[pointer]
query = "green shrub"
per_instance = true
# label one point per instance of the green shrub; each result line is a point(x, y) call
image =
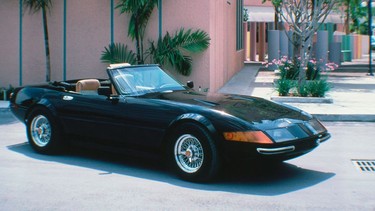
point(6, 91)
point(318, 88)
point(283, 86)
point(289, 69)
point(1, 93)
point(303, 90)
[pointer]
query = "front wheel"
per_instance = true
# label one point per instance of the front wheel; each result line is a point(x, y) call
point(43, 133)
point(193, 154)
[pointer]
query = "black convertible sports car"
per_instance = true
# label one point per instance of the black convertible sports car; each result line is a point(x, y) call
point(143, 109)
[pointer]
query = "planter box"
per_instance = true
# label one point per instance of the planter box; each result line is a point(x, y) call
point(288, 99)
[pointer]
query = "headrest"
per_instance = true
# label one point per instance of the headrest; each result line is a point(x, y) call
point(87, 84)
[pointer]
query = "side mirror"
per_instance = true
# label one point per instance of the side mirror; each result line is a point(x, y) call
point(190, 84)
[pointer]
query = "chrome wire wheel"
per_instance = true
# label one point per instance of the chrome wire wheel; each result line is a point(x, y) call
point(188, 153)
point(40, 131)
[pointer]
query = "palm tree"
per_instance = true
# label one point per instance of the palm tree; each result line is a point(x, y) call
point(140, 11)
point(172, 49)
point(168, 49)
point(35, 6)
point(118, 53)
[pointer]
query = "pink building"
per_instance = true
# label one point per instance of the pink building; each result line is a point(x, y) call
point(79, 31)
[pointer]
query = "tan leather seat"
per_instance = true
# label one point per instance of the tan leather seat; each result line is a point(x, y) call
point(88, 86)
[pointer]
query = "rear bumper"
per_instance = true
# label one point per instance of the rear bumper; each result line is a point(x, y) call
point(18, 111)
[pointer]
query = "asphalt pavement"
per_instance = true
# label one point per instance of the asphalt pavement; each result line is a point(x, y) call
point(328, 178)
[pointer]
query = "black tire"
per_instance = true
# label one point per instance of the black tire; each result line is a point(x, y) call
point(43, 132)
point(192, 153)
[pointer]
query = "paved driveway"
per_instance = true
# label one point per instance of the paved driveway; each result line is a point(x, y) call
point(325, 179)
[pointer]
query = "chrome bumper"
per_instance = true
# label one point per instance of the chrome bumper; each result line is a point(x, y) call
point(323, 139)
point(287, 149)
point(275, 151)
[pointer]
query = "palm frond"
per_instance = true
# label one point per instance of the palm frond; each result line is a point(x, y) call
point(35, 6)
point(194, 42)
point(171, 49)
point(129, 6)
point(140, 17)
point(118, 53)
point(140, 12)
point(197, 41)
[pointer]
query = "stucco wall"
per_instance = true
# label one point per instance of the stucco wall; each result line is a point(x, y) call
point(225, 60)
point(190, 14)
point(88, 32)
point(9, 30)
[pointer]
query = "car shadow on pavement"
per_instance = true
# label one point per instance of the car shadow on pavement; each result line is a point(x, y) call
point(7, 118)
point(258, 179)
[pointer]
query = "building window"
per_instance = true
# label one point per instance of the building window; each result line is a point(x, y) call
point(239, 25)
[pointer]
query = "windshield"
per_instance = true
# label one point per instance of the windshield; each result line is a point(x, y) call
point(140, 80)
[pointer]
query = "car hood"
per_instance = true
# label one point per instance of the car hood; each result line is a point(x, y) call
point(251, 109)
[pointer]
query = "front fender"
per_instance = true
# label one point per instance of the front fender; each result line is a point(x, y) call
point(193, 117)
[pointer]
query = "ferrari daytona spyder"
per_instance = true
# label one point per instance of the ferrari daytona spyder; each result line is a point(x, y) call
point(143, 109)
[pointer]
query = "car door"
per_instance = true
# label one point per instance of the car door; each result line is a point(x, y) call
point(122, 122)
point(146, 120)
point(91, 116)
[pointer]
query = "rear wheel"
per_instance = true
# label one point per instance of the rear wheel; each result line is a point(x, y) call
point(43, 133)
point(193, 154)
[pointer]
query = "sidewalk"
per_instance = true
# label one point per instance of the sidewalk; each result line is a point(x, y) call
point(4, 106)
point(353, 93)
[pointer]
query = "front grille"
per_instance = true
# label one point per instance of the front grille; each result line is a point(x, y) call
point(364, 165)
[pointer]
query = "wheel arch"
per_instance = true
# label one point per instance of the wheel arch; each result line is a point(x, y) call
point(55, 141)
point(199, 119)
point(42, 103)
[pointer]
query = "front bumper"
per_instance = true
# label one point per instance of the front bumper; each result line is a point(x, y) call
point(277, 151)
point(286, 149)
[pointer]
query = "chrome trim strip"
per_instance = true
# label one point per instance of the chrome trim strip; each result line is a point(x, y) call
point(274, 151)
point(67, 97)
point(325, 138)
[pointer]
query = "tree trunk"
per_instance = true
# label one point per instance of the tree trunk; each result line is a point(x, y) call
point(137, 40)
point(303, 65)
point(302, 69)
point(276, 20)
point(347, 20)
point(46, 45)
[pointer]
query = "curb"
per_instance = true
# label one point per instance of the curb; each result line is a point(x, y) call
point(283, 99)
point(345, 117)
point(5, 111)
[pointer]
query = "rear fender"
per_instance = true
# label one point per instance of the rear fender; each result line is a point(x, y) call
point(42, 103)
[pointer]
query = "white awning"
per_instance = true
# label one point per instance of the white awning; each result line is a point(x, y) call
point(267, 14)
point(260, 14)
point(335, 18)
